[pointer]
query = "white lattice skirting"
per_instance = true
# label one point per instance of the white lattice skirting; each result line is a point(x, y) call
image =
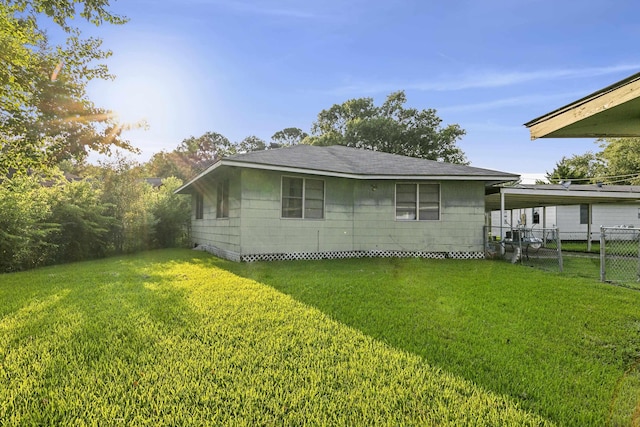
point(233, 256)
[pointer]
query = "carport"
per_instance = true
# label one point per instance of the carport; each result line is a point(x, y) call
point(532, 196)
point(611, 112)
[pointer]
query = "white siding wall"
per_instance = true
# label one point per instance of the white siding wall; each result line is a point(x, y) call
point(513, 218)
point(608, 215)
point(567, 219)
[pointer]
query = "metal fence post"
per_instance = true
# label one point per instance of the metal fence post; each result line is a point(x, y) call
point(602, 254)
point(638, 271)
point(560, 265)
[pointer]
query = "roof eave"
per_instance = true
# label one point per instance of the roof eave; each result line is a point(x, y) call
point(488, 178)
point(185, 188)
point(551, 125)
point(499, 178)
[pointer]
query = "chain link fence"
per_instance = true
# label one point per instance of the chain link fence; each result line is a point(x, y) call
point(620, 255)
point(534, 247)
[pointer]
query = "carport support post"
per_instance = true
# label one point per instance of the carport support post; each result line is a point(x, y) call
point(589, 228)
point(602, 255)
point(501, 221)
point(544, 225)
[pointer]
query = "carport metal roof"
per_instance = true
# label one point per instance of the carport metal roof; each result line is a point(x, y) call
point(531, 196)
point(610, 112)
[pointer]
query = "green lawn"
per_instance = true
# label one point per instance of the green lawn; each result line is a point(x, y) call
point(580, 246)
point(562, 346)
point(178, 337)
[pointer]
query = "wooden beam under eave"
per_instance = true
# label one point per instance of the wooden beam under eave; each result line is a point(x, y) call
point(552, 125)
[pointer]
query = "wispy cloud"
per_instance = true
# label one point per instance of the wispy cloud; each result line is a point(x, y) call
point(274, 8)
point(483, 79)
point(511, 102)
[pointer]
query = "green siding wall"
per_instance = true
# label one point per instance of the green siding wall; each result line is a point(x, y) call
point(359, 215)
point(223, 233)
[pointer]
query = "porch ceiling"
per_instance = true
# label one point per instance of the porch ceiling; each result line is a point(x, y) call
point(531, 196)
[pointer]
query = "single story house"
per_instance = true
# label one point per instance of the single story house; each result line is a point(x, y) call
point(310, 202)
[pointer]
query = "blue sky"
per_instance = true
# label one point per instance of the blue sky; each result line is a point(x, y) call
point(254, 67)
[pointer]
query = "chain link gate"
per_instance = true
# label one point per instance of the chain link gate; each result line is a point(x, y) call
point(533, 247)
point(620, 255)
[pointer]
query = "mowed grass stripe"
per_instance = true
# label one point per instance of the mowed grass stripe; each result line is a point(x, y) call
point(170, 338)
point(564, 347)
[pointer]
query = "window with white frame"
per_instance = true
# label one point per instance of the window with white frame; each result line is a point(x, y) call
point(417, 202)
point(222, 199)
point(302, 198)
point(199, 206)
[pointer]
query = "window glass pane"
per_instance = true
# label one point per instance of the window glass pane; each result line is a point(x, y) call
point(429, 193)
point(292, 208)
point(429, 201)
point(292, 197)
point(313, 209)
point(584, 214)
point(406, 201)
point(314, 189)
point(429, 212)
point(222, 202)
point(199, 206)
point(314, 199)
point(292, 187)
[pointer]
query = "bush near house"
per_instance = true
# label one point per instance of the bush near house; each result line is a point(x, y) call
point(54, 220)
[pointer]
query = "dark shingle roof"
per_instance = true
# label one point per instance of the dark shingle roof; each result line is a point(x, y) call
point(350, 162)
point(355, 161)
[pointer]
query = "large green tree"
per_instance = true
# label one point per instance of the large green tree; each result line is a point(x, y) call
point(622, 159)
point(287, 137)
point(390, 127)
point(251, 143)
point(45, 113)
point(194, 154)
point(580, 168)
point(617, 163)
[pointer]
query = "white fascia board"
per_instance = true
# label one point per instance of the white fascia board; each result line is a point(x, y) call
point(587, 194)
point(289, 169)
point(200, 175)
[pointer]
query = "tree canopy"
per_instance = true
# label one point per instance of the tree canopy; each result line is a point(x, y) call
point(581, 168)
point(617, 163)
point(45, 113)
point(287, 137)
point(391, 128)
point(194, 154)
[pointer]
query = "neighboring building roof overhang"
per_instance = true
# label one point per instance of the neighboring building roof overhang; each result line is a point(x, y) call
point(351, 163)
point(531, 196)
point(608, 113)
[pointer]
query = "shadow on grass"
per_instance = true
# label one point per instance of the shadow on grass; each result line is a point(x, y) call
point(559, 345)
